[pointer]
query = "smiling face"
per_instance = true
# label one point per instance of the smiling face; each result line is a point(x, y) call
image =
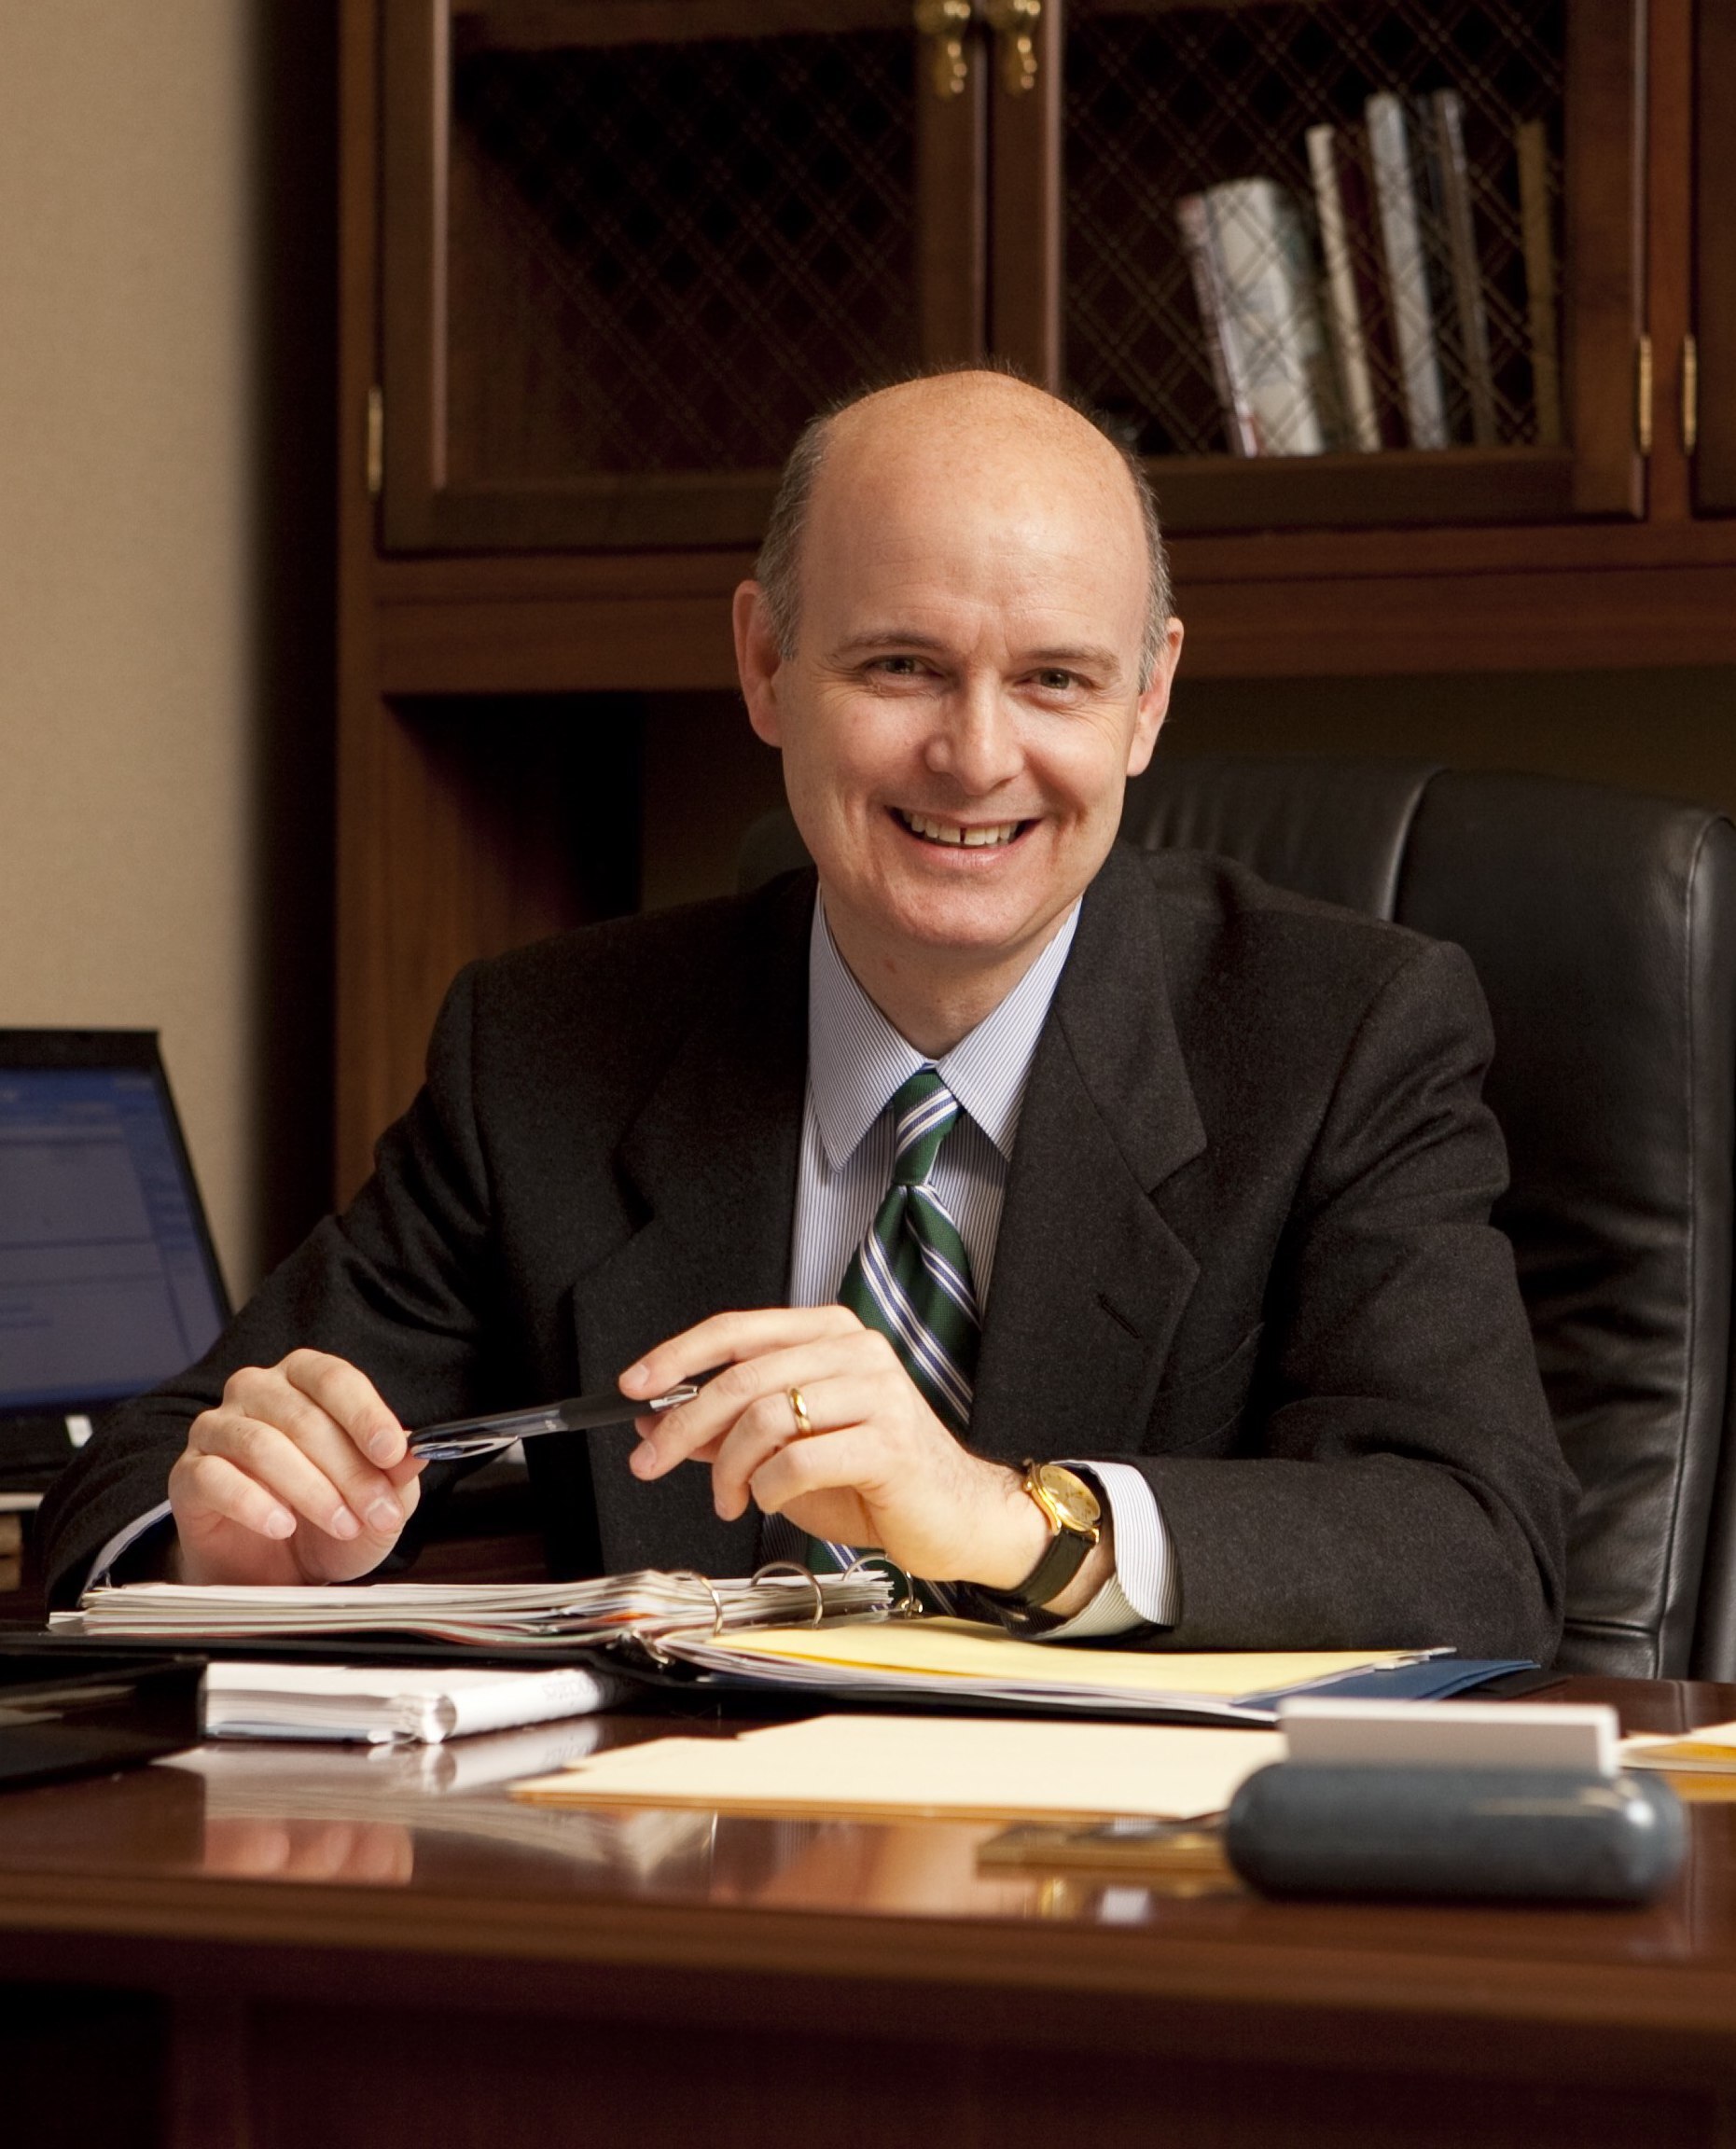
point(962, 705)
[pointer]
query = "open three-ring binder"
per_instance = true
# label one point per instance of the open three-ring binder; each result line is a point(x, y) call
point(648, 1609)
point(782, 1634)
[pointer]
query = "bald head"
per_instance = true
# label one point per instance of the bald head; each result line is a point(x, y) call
point(981, 430)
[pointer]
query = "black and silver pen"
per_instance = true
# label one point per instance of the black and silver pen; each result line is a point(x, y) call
point(462, 1439)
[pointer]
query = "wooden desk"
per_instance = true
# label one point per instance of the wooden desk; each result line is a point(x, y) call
point(306, 1959)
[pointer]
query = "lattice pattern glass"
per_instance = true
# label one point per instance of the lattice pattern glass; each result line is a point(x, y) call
point(664, 256)
point(1231, 286)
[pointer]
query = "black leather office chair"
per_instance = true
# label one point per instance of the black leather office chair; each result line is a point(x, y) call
point(1602, 926)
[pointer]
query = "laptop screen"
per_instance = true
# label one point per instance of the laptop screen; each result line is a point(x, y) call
point(107, 1280)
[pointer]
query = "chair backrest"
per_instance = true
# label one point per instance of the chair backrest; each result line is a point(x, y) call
point(1602, 927)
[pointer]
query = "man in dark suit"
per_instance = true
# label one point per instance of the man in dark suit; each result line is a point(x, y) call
point(1157, 1201)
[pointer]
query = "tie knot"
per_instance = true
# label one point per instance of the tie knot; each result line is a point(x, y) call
point(923, 1110)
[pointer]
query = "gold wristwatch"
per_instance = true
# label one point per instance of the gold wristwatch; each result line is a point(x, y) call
point(1075, 1517)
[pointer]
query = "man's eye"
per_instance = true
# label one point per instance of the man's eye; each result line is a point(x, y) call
point(1054, 682)
point(900, 667)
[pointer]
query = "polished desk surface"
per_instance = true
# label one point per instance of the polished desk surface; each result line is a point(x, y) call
point(299, 1874)
point(350, 1851)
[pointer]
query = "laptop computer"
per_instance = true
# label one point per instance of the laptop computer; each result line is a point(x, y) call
point(108, 1279)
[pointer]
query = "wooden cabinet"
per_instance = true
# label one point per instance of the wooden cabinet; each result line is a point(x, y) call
point(601, 258)
point(630, 245)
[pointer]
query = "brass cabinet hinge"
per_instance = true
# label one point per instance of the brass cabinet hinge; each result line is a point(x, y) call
point(1690, 393)
point(1014, 23)
point(947, 24)
point(374, 451)
point(1642, 395)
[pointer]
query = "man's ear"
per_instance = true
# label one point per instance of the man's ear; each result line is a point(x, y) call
point(758, 662)
point(1153, 703)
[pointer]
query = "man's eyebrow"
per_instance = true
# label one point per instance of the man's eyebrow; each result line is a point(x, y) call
point(1084, 657)
point(889, 638)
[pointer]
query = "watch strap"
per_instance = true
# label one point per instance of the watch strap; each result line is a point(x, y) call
point(1061, 1559)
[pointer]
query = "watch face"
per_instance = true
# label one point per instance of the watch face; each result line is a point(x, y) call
point(1074, 1502)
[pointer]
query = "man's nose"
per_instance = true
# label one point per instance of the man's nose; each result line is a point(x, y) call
point(977, 744)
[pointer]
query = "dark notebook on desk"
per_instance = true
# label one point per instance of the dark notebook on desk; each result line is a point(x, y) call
point(108, 1281)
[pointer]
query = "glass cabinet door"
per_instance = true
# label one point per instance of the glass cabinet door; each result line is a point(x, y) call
point(635, 243)
point(1344, 261)
point(1712, 414)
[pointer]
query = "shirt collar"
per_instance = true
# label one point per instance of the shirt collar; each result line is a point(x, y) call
point(856, 1060)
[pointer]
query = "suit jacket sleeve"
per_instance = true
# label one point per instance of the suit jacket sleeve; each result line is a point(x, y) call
point(400, 1284)
point(1392, 1476)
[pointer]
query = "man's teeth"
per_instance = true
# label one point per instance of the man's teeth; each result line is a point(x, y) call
point(972, 839)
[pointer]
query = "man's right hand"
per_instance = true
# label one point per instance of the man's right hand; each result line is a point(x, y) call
point(299, 1475)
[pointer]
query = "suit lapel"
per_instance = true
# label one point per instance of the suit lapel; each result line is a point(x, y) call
point(1089, 1281)
point(711, 1164)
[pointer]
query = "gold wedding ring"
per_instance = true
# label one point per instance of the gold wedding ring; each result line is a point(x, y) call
point(804, 1424)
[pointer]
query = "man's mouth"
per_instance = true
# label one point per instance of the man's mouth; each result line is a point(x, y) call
point(988, 835)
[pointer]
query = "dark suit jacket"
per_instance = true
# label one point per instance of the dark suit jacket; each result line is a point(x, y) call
point(1245, 1246)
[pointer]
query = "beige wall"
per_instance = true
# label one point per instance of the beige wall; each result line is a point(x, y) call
point(127, 639)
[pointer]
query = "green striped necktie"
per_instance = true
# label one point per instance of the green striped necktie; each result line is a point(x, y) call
point(910, 1276)
point(910, 1279)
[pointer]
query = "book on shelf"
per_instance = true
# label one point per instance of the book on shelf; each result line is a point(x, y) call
point(1355, 298)
point(1410, 298)
point(1538, 245)
point(1344, 313)
point(1232, 403)
point(1460, 280)
point(1403, 334)
point(1254, 274)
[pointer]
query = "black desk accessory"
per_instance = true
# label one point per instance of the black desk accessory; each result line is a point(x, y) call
point(93, 1714)
point(1297, 1829)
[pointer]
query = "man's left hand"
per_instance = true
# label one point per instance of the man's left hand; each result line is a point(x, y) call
point(878, 1470)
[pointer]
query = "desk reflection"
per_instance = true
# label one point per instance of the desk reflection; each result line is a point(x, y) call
point(439, 1816)
point(384, 1816)
point(369, 1853)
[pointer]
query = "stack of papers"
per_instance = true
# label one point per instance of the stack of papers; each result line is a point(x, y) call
point(1711, 1751)
point(385, 1705)
point(951, 1659)
point(495, 1615)
point(894, 1767)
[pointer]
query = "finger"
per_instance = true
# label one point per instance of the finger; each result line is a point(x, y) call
point(688, 1432)
point(369, 1494)
point(646, 1426)
point(206, 1489)
point(770, 1425)
point(350, 1399)
point(267, 1455)
point(848, 1459)
point(725, 1338)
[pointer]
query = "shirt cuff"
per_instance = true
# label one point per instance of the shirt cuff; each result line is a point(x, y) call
point(122, 1542)
point(1145, 1589)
